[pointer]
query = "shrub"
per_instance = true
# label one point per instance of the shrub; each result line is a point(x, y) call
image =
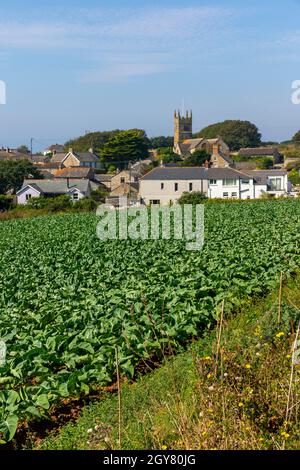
point(99, 195)
point(86, 204)
point(192, 198)
point(6, 203)
point(59, 203)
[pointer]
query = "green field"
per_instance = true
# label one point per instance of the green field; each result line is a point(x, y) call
point(67, 299)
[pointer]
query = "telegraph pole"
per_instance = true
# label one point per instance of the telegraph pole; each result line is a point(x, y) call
point(31, 145)
point(129, 180)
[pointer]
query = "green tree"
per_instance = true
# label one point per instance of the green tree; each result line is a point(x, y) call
point(95, 140)
point(161, 141)
point(198, 158)
point(294, 176)
point(264, 163)
point(194, 197)
point(23, 149)
point(296, 137)
point(12, 174)
point(166, 155)
point(235, 133)
point(126, 146)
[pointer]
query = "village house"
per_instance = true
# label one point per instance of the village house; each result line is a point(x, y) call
point(104, 179)
point(7, 154)
point(165, 185)
point(255, 152)
point(56, 148)
point(79, 172)
point(125, 177)
point(76, 189)
point(73, 159)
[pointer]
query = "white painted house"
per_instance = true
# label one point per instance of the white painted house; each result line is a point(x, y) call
point(167, 184)
point(164, 184)
point(76, 189)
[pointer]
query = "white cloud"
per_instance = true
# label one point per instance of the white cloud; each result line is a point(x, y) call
point(102, 35)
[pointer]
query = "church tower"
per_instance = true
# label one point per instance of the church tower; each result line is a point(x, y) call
point(183, 127)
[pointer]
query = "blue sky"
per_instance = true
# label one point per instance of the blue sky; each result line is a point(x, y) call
point(73, 66)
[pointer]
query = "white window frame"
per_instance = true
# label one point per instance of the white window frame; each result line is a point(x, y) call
point(274, 186)
point(226, 184)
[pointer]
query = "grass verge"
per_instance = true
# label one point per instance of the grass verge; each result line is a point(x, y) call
point(236, 388)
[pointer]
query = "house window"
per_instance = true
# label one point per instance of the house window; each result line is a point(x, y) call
point(176, 187)
point(154, 202)
point(234, 195)
point(162, 185)
point(75, 197)
point(212, 181)
point(191, 186)
point(28, 196)
point(225, 194)
point(275, 184)
point(122, 179)
point(245, 181)
point(229, 182)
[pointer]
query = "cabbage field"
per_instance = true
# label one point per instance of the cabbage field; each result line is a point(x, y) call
point(67, 299)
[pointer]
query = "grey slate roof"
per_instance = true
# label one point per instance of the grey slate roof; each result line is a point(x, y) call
point(193, 173)
point(40, 158)
point(86, 156)
point(259, 151)
point(261, 176)
point(225, 173)
point(245, 166)
point(174, 173)
point(58, 157)
point(57, 185)
point(103, 177)
point(184, 148)
point(226, 158)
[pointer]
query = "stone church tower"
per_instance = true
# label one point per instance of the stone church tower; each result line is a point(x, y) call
point(183, 127)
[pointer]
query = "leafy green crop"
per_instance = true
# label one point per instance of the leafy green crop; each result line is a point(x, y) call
point(68, 299)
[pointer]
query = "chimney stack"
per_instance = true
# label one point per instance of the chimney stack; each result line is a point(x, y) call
point(215, 149)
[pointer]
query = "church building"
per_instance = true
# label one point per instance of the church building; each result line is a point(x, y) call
point(184, 144)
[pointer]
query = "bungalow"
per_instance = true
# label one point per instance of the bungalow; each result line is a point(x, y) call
point(76, 189)
point(163, 185)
